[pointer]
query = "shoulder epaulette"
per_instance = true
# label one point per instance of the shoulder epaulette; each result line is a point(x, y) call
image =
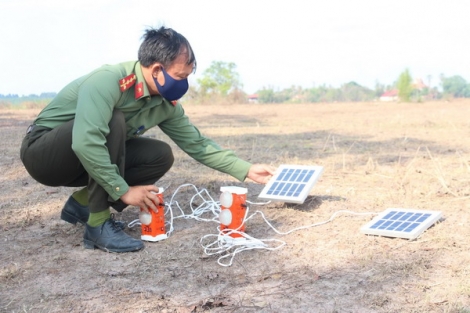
point(127, 82)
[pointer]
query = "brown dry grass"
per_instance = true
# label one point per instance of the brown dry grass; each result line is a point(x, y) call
point(375, 156)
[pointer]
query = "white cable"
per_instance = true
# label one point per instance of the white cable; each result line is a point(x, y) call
point(134, 223)
point(229, 246)
point(312, 225)
point(258, 203)
point(249, 243)
point(196, 212)
point(228, 243)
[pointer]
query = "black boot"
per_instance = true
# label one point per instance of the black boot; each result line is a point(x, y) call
point(110, 237)
point(74, 212)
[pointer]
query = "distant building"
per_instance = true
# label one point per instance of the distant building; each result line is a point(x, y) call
point(253, 98)
point(390, 95)
point(419, 84)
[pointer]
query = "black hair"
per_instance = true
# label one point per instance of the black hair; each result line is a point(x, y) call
point(163, 45)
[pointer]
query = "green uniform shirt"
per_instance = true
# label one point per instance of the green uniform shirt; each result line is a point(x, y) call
point(91, 99)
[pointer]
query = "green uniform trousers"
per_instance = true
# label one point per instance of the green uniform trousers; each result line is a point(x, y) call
point(48, 157)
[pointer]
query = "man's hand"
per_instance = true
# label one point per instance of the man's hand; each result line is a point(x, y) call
point(261, 173)
point(142, 196)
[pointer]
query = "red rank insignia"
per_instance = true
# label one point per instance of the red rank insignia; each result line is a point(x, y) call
point(139, 90)
point(126, 82)
point(174, 102)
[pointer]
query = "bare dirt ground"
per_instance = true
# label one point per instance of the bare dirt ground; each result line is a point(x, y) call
point(375, 156)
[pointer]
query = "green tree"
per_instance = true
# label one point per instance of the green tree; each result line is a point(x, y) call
point(266, 95)
point(315, 94)
point(220, 78)
point(354, 92)
point(455, 86)
point(404, 86)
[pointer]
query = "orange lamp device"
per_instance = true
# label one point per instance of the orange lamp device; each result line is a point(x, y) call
point(233, 211)
point(153, 223)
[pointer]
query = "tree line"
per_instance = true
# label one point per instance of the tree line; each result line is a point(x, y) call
point(221, 83)
point(221, 80)
point(15, 98)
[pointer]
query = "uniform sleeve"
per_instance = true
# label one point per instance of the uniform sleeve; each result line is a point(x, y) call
point(202, 149)
point(97, 97)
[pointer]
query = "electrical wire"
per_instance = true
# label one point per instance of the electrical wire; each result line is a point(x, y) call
point(228, 243)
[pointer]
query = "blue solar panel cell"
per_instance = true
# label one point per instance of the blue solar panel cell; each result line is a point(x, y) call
point(405, 216)
point(292, 189)
point(271, 190)
point(411, 227)
point(385, 224)
point(398, 215)
point(308, 175)
point(389, 215)
point(288, 175)
point(414, 217)
point(402, 226)
point(294, 176)
point(376, 225)
point(285, 189)
point(394, 225)
point(423, 218)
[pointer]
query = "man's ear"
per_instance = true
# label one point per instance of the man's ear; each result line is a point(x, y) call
point(155, 68)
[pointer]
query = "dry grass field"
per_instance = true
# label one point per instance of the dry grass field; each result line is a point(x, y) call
point(375, 156)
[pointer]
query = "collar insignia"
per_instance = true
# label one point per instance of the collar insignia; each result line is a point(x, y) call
point(139, 90)
point(174, 102)
point(127, 82)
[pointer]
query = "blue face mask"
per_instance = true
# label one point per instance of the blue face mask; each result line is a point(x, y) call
point(173, 89)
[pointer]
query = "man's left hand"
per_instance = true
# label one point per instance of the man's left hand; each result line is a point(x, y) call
point(261, 173)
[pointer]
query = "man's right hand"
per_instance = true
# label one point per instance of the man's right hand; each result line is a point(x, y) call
point(142, 196)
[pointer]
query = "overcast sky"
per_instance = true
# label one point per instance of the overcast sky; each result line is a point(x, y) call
point(46, 44)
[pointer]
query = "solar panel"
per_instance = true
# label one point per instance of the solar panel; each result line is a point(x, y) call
point(402, 223)
point(291, 183)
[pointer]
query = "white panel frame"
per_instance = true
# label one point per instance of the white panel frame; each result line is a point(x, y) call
point(418, 230)
point(318, 170)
